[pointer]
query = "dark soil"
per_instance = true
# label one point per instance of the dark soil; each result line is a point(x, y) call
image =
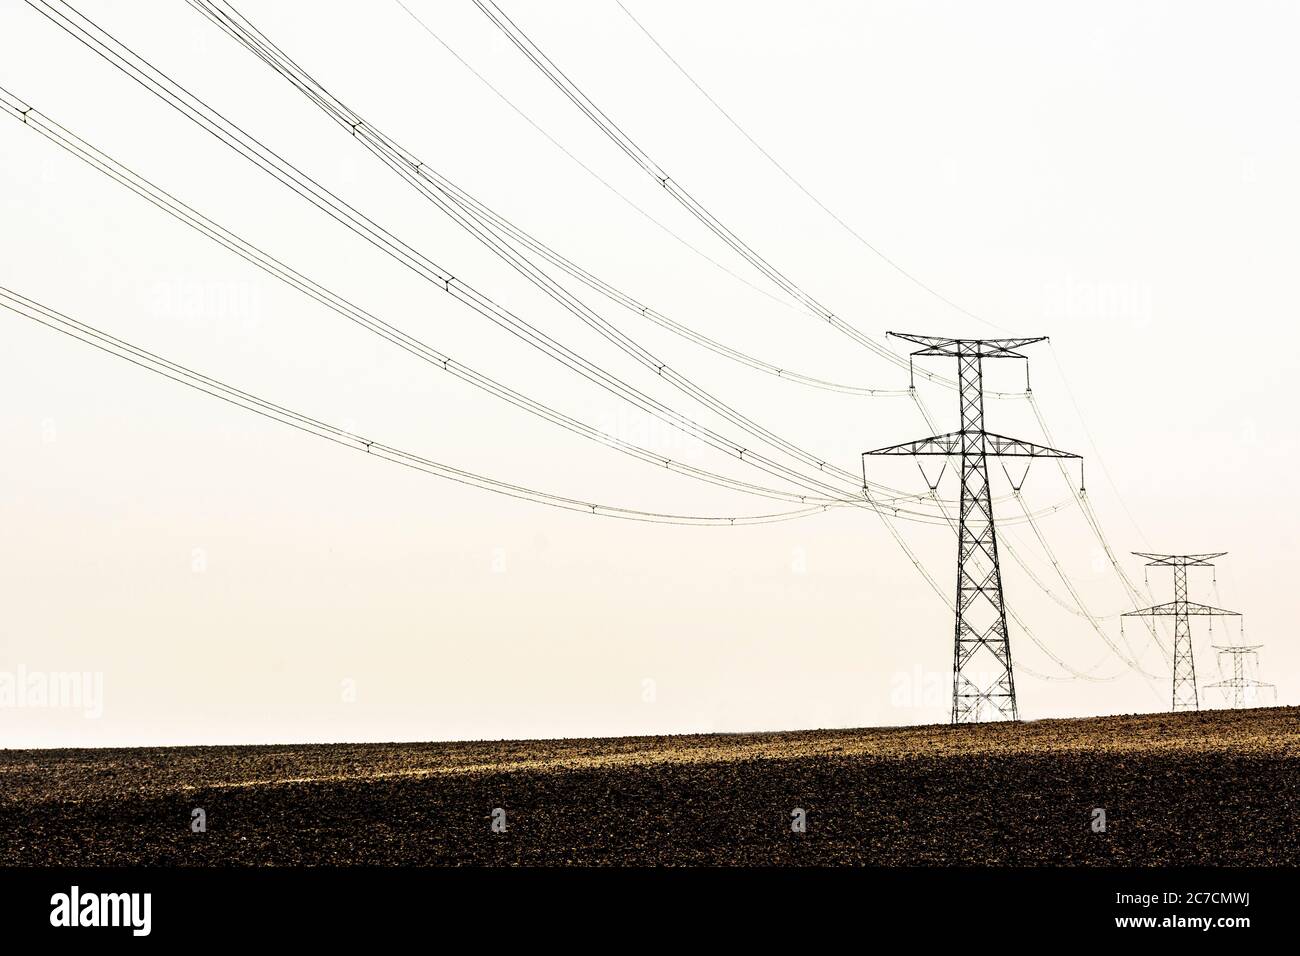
point(1214, 788)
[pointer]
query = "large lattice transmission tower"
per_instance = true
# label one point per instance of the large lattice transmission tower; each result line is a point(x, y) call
point(1182, 611)
point(983, 682)
point(1240, 690)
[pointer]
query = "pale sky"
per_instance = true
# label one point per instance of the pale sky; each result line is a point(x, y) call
point(1117, 176)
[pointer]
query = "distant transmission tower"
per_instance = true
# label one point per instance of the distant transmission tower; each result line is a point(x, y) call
point(982, 679)
point(1240, 690)
point(1182, 610)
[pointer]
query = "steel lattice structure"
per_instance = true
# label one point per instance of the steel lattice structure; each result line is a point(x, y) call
point(1182, 611)
point(983, 681)
point(1240, 689)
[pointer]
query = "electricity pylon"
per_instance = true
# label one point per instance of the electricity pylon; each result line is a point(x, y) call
point(1182, 610)
point(982, 676)
point(1240, 689)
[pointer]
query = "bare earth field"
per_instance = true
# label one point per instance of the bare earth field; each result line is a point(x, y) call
point(1214, 788)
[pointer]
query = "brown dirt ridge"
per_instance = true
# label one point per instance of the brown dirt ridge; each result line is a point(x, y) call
point(1210, 788)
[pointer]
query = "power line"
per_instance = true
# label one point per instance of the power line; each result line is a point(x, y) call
point(634, 152)
point(1090, 516)
point(423, 24)
point(468, 213)
point(631, 302)
point(1131, 660)
point(892, 263)
point(195, 109)
point(1060, 370)
point(393, 154)
point(31, 309)
point(256, 256)
point(421, 176)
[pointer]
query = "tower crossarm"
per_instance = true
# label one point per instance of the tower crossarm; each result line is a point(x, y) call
point(954, 443)
point(1180, 560)
point(949, 444)
point(1001, 445)
point(983, 348)
point(1190, 608)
